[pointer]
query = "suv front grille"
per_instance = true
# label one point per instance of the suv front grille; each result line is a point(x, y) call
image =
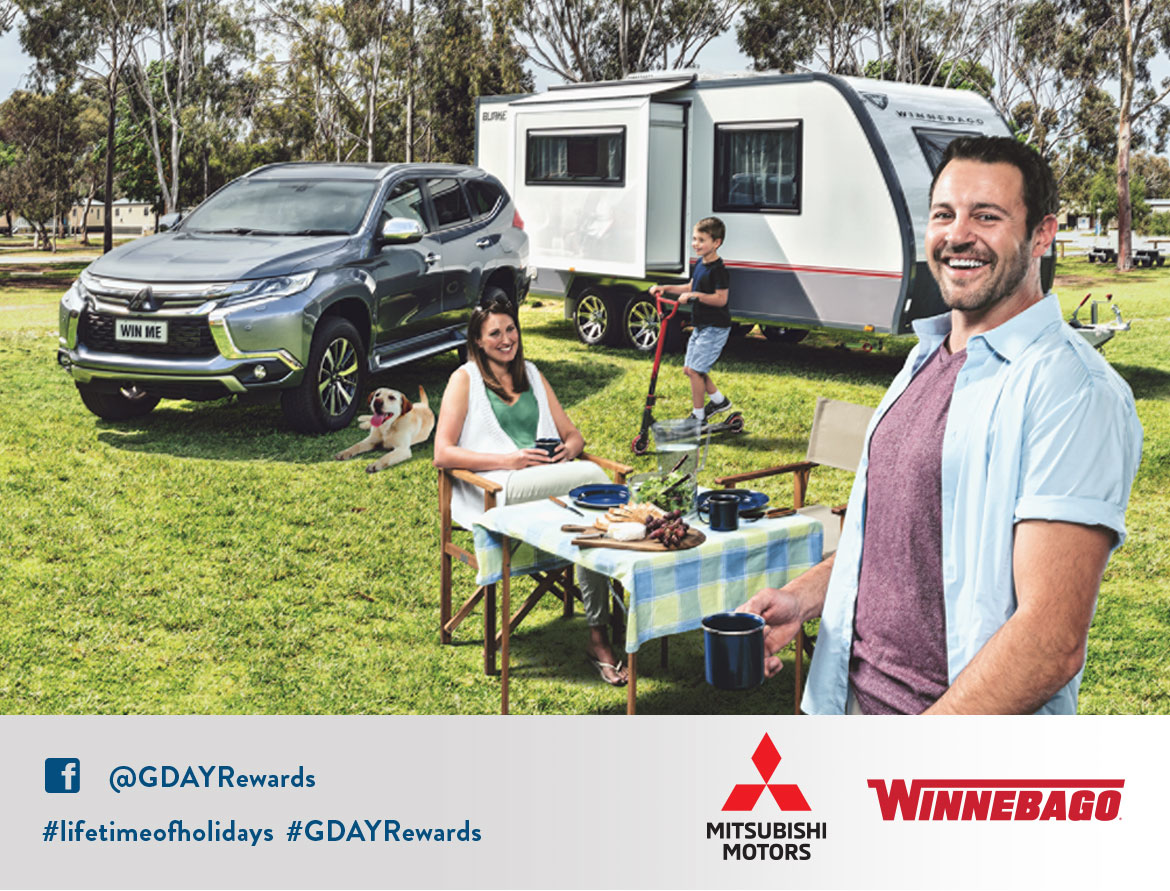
point(161, 301)
point(187, 338)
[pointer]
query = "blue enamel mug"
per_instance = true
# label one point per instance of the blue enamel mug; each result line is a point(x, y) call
point(549, 446)
point(723, 508)
point(733, 649)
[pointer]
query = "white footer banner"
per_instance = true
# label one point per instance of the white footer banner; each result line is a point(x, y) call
point(583, 802)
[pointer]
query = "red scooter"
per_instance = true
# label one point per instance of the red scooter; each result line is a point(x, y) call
point(733, 423)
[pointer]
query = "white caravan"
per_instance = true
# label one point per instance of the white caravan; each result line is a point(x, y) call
point(822, 181)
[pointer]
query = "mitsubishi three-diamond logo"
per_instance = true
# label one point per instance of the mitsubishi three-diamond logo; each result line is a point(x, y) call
point(745, 795)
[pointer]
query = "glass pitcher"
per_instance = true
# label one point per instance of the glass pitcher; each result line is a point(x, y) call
point(680, 446)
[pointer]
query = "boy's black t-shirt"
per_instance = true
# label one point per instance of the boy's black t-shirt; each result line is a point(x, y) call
point(708, 279)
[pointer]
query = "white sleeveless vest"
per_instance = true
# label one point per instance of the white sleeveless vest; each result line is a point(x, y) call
point(483, 433)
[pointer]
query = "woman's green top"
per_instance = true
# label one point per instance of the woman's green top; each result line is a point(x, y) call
point(519, 419)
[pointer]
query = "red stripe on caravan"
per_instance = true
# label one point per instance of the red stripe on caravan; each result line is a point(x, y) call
point(825, 270)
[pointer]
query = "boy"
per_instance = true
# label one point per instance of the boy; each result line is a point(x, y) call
point(710, 316)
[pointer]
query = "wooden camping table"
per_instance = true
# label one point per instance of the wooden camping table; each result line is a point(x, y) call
point(669, 592)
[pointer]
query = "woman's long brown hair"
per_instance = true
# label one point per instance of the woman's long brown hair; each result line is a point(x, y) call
point(499, 306)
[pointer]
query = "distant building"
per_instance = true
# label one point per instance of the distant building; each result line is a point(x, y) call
point(1159, 205)
point(130, 217)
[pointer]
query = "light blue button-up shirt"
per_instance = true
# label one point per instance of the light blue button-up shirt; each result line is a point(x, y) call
point(1040, 428)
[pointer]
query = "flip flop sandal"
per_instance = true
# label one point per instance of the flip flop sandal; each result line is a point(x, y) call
point(602, 666)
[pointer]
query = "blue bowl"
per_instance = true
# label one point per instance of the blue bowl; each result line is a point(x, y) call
point(733, 647)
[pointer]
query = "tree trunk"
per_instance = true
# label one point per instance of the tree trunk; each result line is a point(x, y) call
point(1124, 136)
point(1124, 205)
point(111, 118)
point(410, 86)
point(370, 118)
point(85, 214)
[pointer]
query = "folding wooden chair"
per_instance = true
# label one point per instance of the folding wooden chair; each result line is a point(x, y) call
point(836, 440)
point(558, 582)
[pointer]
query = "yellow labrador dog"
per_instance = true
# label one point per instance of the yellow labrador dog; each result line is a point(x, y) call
point(396, 425)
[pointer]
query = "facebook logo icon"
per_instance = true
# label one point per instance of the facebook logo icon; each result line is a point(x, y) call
point(62, 775)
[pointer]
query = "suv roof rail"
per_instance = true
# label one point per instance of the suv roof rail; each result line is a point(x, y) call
point(264, 167)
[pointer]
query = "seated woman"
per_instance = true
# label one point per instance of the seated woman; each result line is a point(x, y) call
point(495, 407)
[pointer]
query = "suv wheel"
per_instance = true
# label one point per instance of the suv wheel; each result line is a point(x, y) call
point(126, 403)
point(596, 318)
point(491, 294)
point(328, 396)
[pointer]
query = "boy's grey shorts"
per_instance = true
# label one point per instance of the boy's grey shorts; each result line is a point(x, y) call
point(704, 347)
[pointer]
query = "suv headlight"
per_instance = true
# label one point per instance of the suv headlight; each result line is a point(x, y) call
point(264, 289)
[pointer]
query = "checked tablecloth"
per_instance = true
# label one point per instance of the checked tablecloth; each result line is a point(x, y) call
point(669, 592)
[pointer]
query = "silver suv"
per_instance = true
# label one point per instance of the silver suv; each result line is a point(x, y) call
point(301, 278)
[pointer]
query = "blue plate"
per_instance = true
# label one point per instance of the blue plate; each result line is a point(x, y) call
point(600, 495)
point(748, 500)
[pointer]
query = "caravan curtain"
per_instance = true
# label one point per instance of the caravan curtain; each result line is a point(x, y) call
point(758, 167)
point(595, 157)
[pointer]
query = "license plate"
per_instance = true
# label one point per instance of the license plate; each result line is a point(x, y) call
point(140, 331)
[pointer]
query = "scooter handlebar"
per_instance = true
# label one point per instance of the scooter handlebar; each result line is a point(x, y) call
point(661, 301)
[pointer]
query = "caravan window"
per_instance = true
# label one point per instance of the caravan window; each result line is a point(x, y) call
point(595, 157)
point(934, 143)
point(757, 166)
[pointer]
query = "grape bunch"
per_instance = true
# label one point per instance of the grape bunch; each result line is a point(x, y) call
point(668, 529)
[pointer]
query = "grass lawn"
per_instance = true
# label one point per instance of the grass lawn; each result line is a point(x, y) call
point(205, 560)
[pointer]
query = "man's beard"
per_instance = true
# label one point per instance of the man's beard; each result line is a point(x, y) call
point(1004, 280)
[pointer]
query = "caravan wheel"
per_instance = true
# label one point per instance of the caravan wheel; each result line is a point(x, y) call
point(596, 318)
point(641, 325)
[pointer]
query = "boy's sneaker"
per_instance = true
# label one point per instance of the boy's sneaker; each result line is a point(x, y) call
point(714, 408)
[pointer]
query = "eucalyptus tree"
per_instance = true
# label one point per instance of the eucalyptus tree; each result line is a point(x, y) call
point(1046, 83)
point(1133, 32)
point(43, 133)
point(465, 50)
point(94, 38)
point(939, 42)
point(178, 69)
point(343, 68)
point(591, 40)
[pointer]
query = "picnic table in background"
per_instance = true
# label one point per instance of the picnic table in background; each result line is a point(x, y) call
point(669, 591)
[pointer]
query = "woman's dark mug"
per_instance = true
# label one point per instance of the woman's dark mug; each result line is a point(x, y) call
point(549, 446)
point(724, 510)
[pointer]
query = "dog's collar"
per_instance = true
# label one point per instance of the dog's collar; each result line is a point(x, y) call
point(376, 420)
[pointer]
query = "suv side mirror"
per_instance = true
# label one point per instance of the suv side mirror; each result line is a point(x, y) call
point(168, 221)
point(400, 230)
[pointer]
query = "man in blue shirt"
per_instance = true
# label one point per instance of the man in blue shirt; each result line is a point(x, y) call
point(993, 485)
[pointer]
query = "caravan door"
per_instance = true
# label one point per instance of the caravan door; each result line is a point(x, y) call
point(583, 173)
point(666, 226)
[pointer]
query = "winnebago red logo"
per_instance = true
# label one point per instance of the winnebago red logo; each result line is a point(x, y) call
point(745, 795)
point(999, 799)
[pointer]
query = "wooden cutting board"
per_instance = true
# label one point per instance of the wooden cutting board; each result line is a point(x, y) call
point(692, 539)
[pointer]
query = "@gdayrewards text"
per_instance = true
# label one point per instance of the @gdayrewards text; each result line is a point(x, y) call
point(200, 776)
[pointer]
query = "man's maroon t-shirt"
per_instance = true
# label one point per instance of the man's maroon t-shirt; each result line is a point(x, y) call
point(899, 661)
